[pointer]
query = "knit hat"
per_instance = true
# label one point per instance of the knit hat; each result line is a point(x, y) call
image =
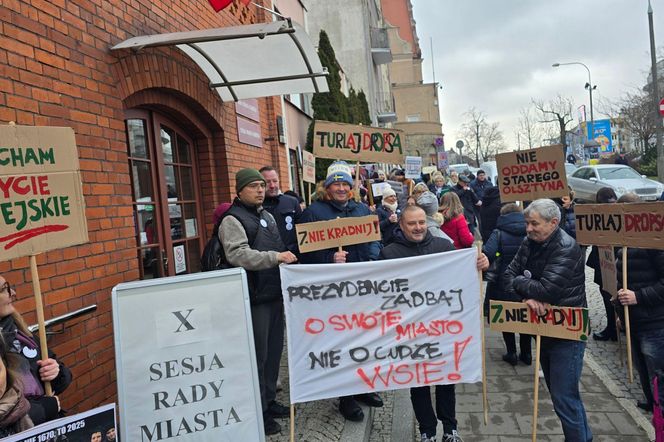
point(219, 212)
point(245, 177)
point(339, 171)
point(428, 202)
point(388, 191)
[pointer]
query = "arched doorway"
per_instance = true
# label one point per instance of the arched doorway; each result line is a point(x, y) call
point(166, 197)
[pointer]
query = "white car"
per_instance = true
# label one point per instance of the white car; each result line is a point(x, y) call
point(587, 180)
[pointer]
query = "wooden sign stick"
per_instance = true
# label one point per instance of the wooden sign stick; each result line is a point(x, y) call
point(536, 395)
point(39, 307)
point(485, 400)
point(370, 192)
point(628, 333)
point(311, 191)
point(292, 423)
point(357, 182)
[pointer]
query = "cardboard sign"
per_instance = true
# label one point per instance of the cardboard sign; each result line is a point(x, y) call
point(429, 169)
point(382, 325)
point(607, 264)
point(41, 197)
point(322, 235)
point(185, 359)
point(308, 167)
point(365, 144)
point(91, 425)
point(527, 175)
point(638, 225)
point(413, 167)
point(558, 322)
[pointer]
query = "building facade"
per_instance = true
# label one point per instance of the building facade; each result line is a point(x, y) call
point(158, 151)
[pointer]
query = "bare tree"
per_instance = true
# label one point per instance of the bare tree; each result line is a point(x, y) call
point(482, 137)
point(529, 130)
point(556, 112)
point(634, 110)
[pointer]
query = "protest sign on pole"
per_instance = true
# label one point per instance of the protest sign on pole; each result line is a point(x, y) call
point(366, 144)
point(92, 425)
point(621, 224)
point(185, 359)
point(558, 322)
point(429, 169)
point(308, 167)
point(527, 175)
point(377, 188)
point(382, 325)
point(413, 167)
point(338, 232)
point(607, 264)
point(42, 197)
point(443, 163)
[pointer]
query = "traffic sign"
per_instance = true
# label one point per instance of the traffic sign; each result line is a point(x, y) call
point(661, 107)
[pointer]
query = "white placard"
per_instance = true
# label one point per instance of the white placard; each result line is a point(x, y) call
point(382, 325)
point(378, 188)
point(180, 259)
point(185, 359)
point(413, 166)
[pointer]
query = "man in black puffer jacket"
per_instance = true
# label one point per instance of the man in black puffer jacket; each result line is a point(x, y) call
point(645, 298)
point(412, 238)
point(549, 269)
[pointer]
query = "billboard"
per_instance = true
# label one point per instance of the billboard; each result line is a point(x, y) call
point(602, 134)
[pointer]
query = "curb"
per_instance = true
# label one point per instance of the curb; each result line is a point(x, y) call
point(358, 431)
point(627, 404)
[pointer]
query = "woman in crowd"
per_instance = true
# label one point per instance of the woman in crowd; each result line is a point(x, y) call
point(605, 195)
point(388, 215)
point(644, 295)
point(454, 178)
point(13, 405)
point(501, 248)
point(32, 372)
point(438, 186)
point(455, 225)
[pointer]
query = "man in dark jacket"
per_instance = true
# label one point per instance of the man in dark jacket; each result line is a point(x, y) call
point(284, 208)
point(251, 240)
point(645, 298)
point(480, 184)
point(489, 212)
point(412, 238)
point(549, 269)
point(469, 201)
point(338, 203)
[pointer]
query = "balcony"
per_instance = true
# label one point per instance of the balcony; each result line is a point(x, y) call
point(380, 46)
point(385, 109)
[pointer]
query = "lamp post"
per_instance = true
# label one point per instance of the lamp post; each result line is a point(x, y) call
point(590, 88)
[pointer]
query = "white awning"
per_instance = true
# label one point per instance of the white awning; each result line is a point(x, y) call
point(250, 61)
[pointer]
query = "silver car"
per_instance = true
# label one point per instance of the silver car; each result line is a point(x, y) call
point(587, 180)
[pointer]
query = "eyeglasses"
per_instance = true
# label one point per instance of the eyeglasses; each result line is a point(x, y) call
point(6, 287)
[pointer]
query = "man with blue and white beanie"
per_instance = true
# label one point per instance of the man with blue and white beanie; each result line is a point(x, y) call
point(338, 203)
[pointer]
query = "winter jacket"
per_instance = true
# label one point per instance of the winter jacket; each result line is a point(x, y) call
point(328, 210)
point(504, 242)
point(645, 276)
point(489, 212)
point(439, 191)
point(568, 220)
point(457, 230)
point(386, 226)
point(403, 248)
point(434, 228)
point(468, 201)
point(480, 187)
point(285, 210)
point(551, 272)
point(42, 408)
point(251, 240)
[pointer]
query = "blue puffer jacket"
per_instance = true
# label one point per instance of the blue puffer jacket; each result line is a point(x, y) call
point(328, 210)
point(568, 220)
point(504, 241)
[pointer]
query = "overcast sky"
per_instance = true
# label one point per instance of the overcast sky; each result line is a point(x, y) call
point(497, 55)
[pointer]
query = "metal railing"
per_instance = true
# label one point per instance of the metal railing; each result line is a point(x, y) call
point(60, 320)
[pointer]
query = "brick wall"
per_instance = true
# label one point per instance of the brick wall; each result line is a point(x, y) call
point(56, 69)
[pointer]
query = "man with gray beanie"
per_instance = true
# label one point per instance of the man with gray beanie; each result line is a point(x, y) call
point(549, 269)
point(338, 203)
point(251, 240)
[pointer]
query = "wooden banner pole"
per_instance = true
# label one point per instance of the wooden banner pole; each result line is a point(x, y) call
point(370, 193)
point(292, 423)
point(311, 191)
point(39, 307)
point(485, 401)
point(357, 182)
point(628, 332)
point(536, 395)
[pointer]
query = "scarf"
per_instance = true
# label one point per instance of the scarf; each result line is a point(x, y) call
point(14, 409)
point(17, 340)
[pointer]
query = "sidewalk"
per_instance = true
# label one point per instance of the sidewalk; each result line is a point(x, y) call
point(510, 394)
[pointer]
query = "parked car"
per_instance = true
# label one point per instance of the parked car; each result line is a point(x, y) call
point(459, 168)
point(570, 168)
point(587, 180)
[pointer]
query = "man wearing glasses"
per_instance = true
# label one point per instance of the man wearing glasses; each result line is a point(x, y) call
point(251, 240)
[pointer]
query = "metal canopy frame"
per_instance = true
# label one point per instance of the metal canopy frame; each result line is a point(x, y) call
point(304, 72)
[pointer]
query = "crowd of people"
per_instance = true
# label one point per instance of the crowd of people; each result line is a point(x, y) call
point(529, 255)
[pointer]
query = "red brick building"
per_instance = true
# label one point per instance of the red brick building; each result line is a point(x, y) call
point(158, 152)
